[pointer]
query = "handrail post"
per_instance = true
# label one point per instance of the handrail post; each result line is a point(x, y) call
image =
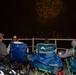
point(32, 44)
point(55, 42)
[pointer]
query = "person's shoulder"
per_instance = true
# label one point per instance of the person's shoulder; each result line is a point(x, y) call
point(2, 43)
point(18, 42)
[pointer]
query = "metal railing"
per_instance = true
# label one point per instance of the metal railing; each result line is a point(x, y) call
point(31, 42)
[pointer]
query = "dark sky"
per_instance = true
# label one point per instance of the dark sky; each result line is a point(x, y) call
point(19, 17)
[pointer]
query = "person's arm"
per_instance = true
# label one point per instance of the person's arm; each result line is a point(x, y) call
point(68, 53)
point(27, 50)
point(8, 49)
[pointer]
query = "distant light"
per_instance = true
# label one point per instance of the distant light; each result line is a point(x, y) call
point(47, 9)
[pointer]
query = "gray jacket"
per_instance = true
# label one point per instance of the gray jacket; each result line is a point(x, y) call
point(69, 52)
point(3, 50)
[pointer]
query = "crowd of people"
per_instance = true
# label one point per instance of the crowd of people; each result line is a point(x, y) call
point(5, 51)
point(15, 39)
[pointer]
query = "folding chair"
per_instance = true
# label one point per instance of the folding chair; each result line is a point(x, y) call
point(46, 59)
point(18, 55)
point(73, 62)
point(71, 65)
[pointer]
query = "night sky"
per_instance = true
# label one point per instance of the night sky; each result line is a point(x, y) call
point(19, 17)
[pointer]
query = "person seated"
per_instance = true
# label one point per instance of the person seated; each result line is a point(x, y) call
point(3, 50)
point(15, 39)
point(47, 52)
point(72, 54)
point(69, 52)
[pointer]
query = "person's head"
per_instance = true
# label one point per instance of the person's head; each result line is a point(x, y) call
point(15, 38)
point(46, 41)
point(1, 36)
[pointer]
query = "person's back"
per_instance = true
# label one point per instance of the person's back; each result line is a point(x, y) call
point(3, 50)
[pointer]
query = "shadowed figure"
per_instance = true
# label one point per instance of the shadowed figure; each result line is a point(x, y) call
point(3, 50)
point(69, 52)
